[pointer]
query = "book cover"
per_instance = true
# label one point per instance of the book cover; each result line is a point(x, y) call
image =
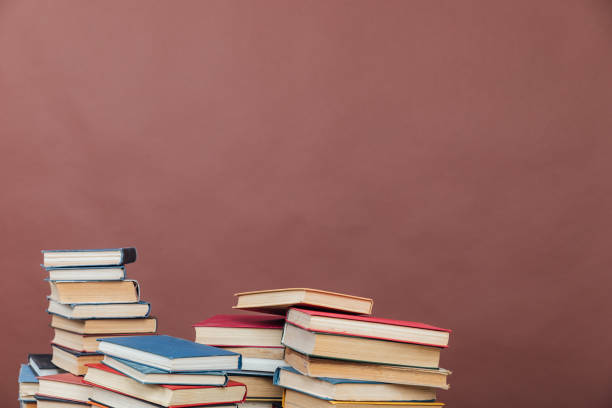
point(76, 403)
point(65, 378)
point(127, 254)
point(72, 306)
point(243, 321)
point(75, 353)
point(26, 374)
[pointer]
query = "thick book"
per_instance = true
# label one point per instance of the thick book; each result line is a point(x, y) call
point(88, 257)
point(52, 402)
point(28, 383)
point(351, 390)
point(105, 377)
point(240, 330)
point(149, 375)
point(360, 349)
point(170, 354)
point(87, 343)
point(64, 386)
point(42, 365)
point(103, 398)
point(262, 364)
point(371, 327)
point(324, 367)
point(105, 326)
point(100, 310)
point(271, 353)
point(277, 301)
point(260, 386)
point(98, 292)
point(92, 273)
point(294, 399)
point(73, 361)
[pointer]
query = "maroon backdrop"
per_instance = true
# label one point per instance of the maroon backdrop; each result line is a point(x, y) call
point(449, 159)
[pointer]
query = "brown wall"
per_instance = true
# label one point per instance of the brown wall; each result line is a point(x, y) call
point(449, 159)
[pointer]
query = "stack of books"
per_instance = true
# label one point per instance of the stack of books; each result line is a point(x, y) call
point(90, 299)
point(338, 354)
point(163, 371)
point(257, 338)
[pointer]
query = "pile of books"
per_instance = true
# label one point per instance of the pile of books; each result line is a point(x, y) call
point(90, 299)
point(334, 352)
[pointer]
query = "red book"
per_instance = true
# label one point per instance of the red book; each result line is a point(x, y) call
point(64, 386)
point(172, 396)
point(369, 327)
point(243, 321)
point(240, 331)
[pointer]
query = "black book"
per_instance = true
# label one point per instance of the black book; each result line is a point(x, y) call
point(42, 365)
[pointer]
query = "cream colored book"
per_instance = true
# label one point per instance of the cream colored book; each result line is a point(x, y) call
point(259, 386)
point(279, 300)
point(295, 399)
point(105, 326)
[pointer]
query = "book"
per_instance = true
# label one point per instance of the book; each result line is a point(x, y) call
point(126, 291)
point(272, 353)
point(102, 376)
point(27, 403)
point(86, 343)
point(100, 310)
point(51, 402)
point(73, 361)
point(260, 404)
point(350, 390)
point(294, 399)
point(371, 327)
point(88, 257)
point(323, 367)
point(104, 398)
point(240, 330)
point(105, 326)
point(261, 364)
point(259, 385)
point(170, 354)
point(150, 375)
point(359, 348)
point(92, 273)
point(28, 383)
point(64, 386)
point(41, 364)
point(277, 301)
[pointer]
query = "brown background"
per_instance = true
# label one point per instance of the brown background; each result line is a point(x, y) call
point(449, 159)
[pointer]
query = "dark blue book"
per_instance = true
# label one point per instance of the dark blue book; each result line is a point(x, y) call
point(27, 375)
point(88, 257)
point(149, 375)
point(170, 354)
point(42, 365)
point(338, 389)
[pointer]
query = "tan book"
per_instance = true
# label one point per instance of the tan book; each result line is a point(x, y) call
point(323, 367)
point(258, 386)
point(105, 326)
point(73, 361)
point(277, 301)
point(360, 349)
point(271, 353)
point(295, 399)
point(82, 342)
point(28, 404)
point(95, 292)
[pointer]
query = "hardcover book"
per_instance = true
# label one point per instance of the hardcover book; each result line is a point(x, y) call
point(170, 354)
point(370, 327)
point(260, 386)
point(64, 386)
point(92, 273)
point(105, 326)
point(104, 398)
point(73, 361)
point(351, 390)
point(105, 377)
point(28, 383)
point(295, 399)
point(100, 310)
point(79, 342)
point(360, 349)
point(51, 402)
point(324, 367)
point(149, 375)
point(88, 257)
point(42, 365)
point(277, 301)
point(240, 330)
point(91, 292)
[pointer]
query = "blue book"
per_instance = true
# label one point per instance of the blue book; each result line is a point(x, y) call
point(27, 375)
point(88, 273)
point(149, 375)
point(81, 311)
point(88, 257)
point(170, 354)
point(339, 389)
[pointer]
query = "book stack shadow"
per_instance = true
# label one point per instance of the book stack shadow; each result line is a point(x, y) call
point(90, 299)
point(335, 353)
